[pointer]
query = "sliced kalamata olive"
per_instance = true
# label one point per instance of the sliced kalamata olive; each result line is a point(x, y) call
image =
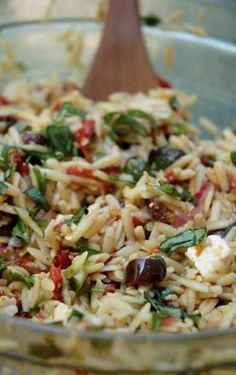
point(35, 138)
point(160, 212)
point(6, 122)
point(221, 232)
point(124, 145)
point(163, 157)
point(7, 223)
point(207, 161)
point(145, 271)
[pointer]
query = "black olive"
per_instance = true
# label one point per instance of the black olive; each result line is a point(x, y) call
point(221, 232)
point(7, 222)
point(145, 271)
point(6, 122)
point(124, 145)
point(35, 138)
point(163, 157)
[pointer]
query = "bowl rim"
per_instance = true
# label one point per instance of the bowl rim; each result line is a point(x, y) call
point(113, 335)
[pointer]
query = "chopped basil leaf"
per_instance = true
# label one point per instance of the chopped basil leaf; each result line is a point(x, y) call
point(191, 237)
point(2, 267)
point(68, 109)
point(77, 313)
point(141, 114)
point(174, 103)
point(170, 189)
point(21, 126)
point(78, 215)
point(83, 245)
point(61, 139)
point(27, 280)
point(7, 168)
point(76, 282)
point(195, 317)
point(41, 180)
point(5, 151)
point(233, 157)
point(37, 197)
point(135, 166)
point(3, 188)
point(124, 123)
point(99, 155)
point(178, 128)
point(21, 231)
point(151, 20)
point(42, 223)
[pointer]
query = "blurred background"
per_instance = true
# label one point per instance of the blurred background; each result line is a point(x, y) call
point(217, 16)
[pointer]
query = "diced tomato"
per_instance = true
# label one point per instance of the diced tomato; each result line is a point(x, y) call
point(136, 221)
point(56, 107)
point(25, 262)
point(62, 259)
point(163, 82)
point(85, 131)
point(231, 182)
point(155, 250)
point(179, 219)
point(111, 288)
point(202, 191)
point(2, 293)
point(171, 177)
point(4, 100)
point(112, 171)
point(56, 276)
point(21, 167)
point(77, 171)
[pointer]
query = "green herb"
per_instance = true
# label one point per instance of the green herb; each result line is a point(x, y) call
point(66, 110)
point(143, 115)
point(2, 267)
point(135, 166)
point(160, 311)
point(22, 67)
point(27, 280)
point(83, 245)
point(99, 155)
point(21, 127)
point(195, 317)
point(41, 180)
point(61, 140)
point(3, 188)
point(77, 313)
point(178, 128)
point(5, 151)
point(233, 157)
point(41, 156)
point(174, 103)
point(78, 215)
point(42, 223)
point(151, 20)
point(21, 230)
point(170, 189)
point(124, 123)
point(116, 180)
point(37, 197)
point(191, 237)
point(45, 351)
point(77, 281)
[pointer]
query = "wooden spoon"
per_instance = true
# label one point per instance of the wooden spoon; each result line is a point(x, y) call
point(121, 62)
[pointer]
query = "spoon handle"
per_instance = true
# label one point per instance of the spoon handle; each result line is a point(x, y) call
point(121, 62)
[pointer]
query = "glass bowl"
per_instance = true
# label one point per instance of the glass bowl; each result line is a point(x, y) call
point(200, 66)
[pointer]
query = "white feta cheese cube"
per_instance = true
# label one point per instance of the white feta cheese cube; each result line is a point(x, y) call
point(211, 257)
